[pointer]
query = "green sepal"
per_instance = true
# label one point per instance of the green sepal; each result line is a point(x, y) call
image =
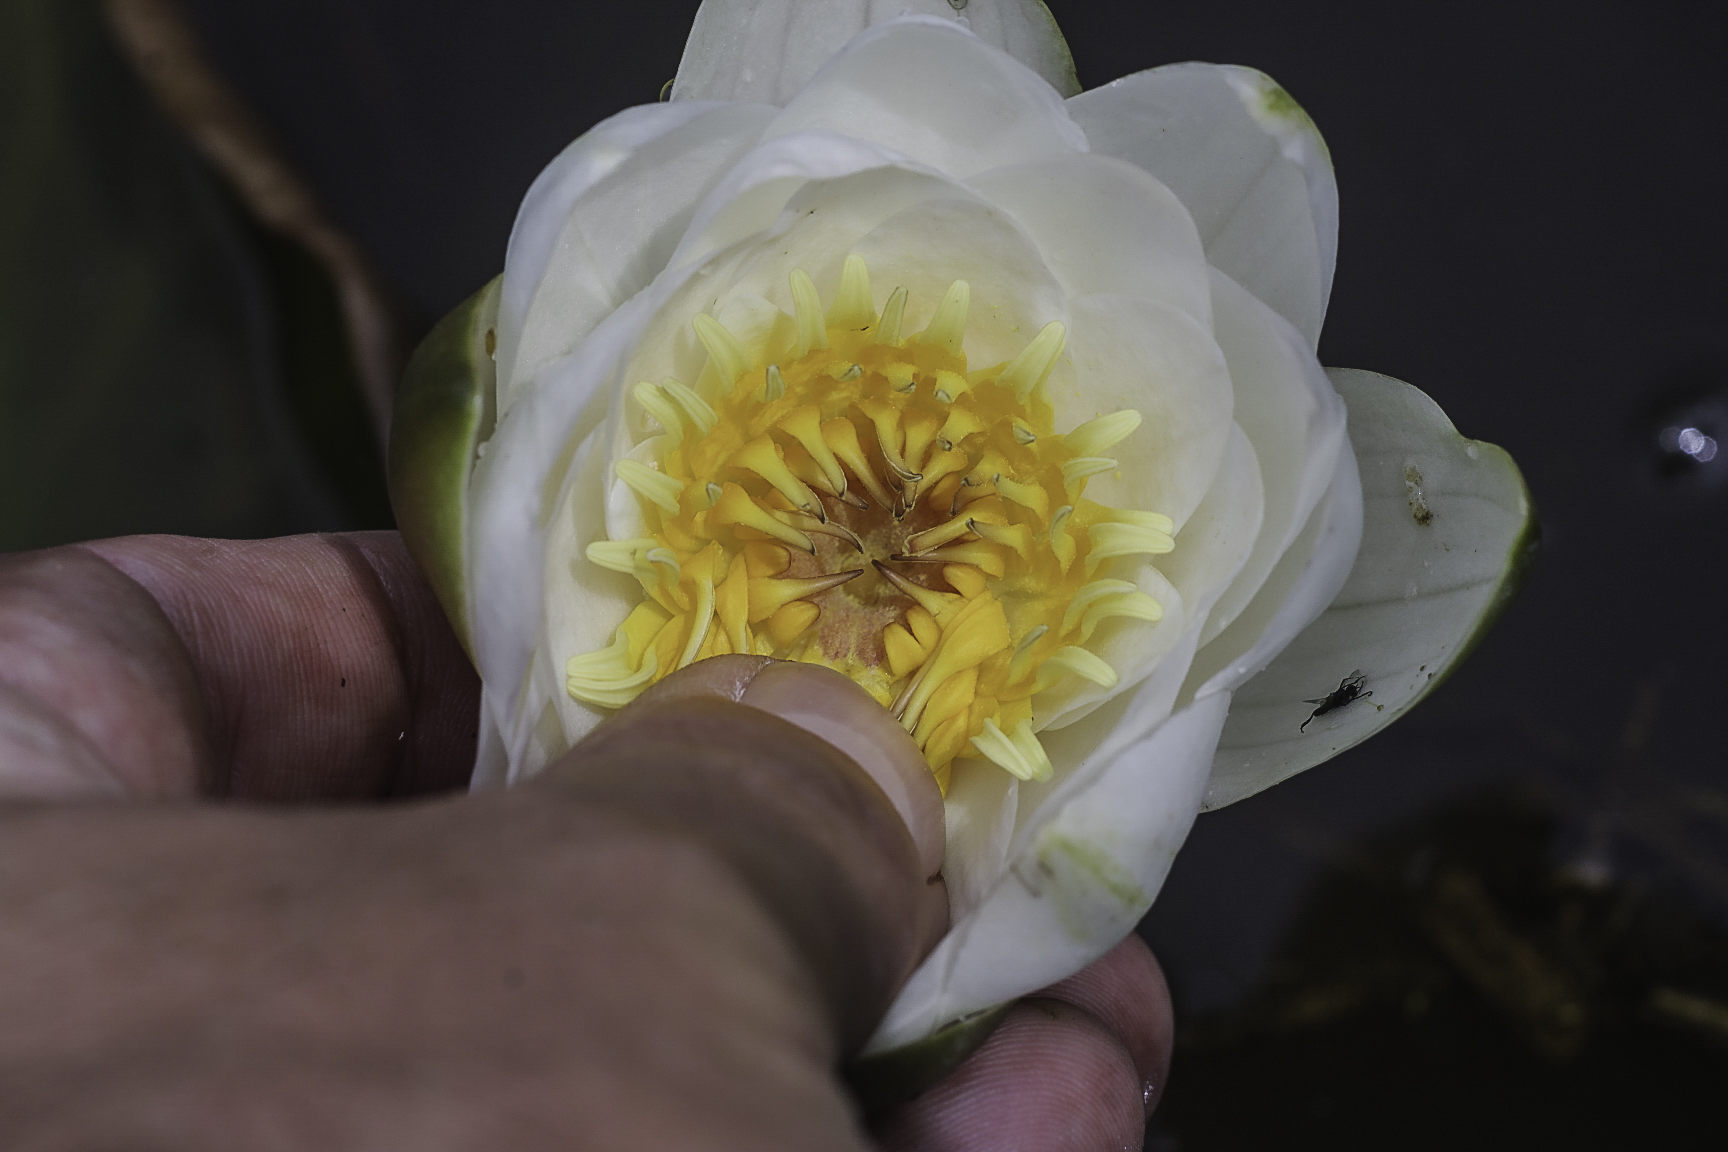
point(444, 411)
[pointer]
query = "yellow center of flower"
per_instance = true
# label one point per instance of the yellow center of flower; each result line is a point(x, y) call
point(850, 497)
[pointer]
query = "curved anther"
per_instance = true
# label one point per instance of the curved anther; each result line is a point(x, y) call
point(928, 599)
point(944, 533)
point(763, 458)
point(841, 436)
point(804, 425)
point(885, 418)
point(823, 527)
point(769, 596)
point(735, 507)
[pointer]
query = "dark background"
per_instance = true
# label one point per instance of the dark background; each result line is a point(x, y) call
point(1505, 919)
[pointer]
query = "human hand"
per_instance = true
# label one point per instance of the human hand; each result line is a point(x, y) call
point(627, 952)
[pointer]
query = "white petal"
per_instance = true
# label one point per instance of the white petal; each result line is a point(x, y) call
point(1081, 876)
point(587, 160)
point(1294, 419)
point(1133, 648)
point(928, 246)
point(1306, 579)
point(1218, 539)
point(538, 736)
point(980, 811)
point(934, 233)
point(585, 603)
point(805, 168)
point(1133, 353)
point(1446, 528)
point(937, 95)
point(1025, 30)
point(1106, 227)
point(1246, 161)
point(594, 235)
point(514, 490)
point(766, 50)
point(491, 764)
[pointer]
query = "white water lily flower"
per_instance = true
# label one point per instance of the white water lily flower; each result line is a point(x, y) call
point(879, 347)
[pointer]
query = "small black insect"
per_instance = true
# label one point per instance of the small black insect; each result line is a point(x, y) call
point(1349, 689)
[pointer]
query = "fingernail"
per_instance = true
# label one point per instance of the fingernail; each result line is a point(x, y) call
point(828, 705)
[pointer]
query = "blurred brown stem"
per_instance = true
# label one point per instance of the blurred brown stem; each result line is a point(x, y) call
point(164, 48)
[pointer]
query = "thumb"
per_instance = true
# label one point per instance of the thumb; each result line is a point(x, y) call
point(809, 792)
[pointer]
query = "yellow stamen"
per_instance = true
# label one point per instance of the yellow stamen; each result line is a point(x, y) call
point(658, 405)
point(1134, 605)
point(1110, 540)
point(696, 410)
point(885, 419)
point(773, 384)
point(1021, 754)
point(947, 328)
point(769, 596)
point(903, 650)
point(763, 458)
point(655, 487)
point(852, 307)
point(931, 601)
point(1027, 372)
point(1029, 496)
point(701, 619)
point(1089, 595)
point(791, 622)
point(808, 522)
point(737, 508)
point(1082, 467)
point(812, 332)
point(616, 555)
point(726, 355)
point(1017, 537)
point(841, 436)
point(1152, 520)
point(888, 327)
point(845, 495)
point(1022, 661)
point(942, 534)
point(804, 425)
point(1098, 436)
point(1081, 662)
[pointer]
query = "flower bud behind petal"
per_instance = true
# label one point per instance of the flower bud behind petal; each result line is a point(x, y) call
point(443, 412)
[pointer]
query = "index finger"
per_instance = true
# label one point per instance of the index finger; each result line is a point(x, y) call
point(322, 666)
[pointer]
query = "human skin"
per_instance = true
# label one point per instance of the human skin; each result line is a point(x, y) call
point(247, 906)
